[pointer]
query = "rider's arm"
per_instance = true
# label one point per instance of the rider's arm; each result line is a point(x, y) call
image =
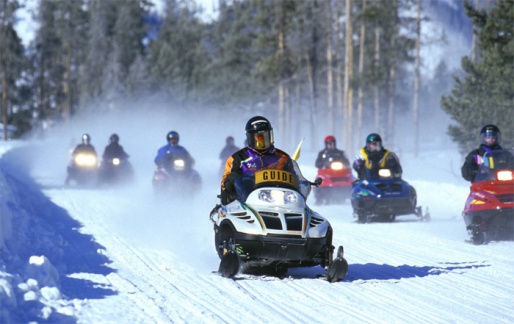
point(396, 167)
point(160, 153)
point(232, 166)
point(470, 167)
point(319, 160)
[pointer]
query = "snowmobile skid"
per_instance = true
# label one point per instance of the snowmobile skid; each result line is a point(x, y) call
point(270, 229)
point(384, 199)
point(489, 209)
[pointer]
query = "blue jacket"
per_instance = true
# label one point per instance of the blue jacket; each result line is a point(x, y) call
point(168, 152)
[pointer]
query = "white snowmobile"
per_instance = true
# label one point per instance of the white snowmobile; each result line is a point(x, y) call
point(269, 228)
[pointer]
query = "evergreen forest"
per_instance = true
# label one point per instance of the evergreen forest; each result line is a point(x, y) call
point(339, 66)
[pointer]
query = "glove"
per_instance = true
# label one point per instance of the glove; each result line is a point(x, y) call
point(478, 159)
point(357, 164)
point(229, 181)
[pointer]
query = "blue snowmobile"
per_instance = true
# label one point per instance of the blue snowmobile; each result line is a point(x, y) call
point(383, 198)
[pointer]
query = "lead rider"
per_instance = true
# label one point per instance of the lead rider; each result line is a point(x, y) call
point(260, 153)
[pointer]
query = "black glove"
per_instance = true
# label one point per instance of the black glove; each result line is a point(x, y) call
point(229, 182)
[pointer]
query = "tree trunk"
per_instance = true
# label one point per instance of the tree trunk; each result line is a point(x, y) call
point(339, 76)
point(312, 100)
point(416, 81)
point(392, 86)
point(348, 67)
point(4, 93)
point(330, 80)
point(391, 103)
point(280, 58)
point(376, 92)
point(312, 68)
point(3, 60)
point(361, 70)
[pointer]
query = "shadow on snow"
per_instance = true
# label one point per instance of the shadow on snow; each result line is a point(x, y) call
point(373, 271)
point(40, 227)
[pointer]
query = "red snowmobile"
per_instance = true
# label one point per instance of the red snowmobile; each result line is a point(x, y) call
point(336, 185)
point(489, 209)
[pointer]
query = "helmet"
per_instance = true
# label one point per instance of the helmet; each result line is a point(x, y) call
point(374, 142)
point(490, 135)
point(114, 138)
point(86, 139)
point(330, 140)
point(173, 138)
point(259, 133)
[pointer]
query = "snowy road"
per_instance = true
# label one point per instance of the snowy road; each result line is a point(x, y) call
point(159, 258)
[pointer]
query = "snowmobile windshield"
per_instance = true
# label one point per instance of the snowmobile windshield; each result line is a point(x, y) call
point(496, 165)
point(272, 178)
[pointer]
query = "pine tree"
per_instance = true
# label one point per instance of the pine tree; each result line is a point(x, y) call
point(485, 94)
point(12, 65)
point(177, 57)
point(59, 53)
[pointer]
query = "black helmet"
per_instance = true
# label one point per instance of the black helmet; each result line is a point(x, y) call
point(259, 133)
point(173, 138)
point(490, 135)
point(86, 139)
point(114, 138)
point(374, 142)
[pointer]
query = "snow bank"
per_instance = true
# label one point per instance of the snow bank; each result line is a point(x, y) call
point(29, 284)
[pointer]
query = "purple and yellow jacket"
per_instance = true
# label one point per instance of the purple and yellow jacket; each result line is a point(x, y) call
point(247, 161)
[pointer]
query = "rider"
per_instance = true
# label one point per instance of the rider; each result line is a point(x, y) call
point(330, 154)
point(229, 149)
point(166, 153)
point(258, 154)
point(490, 137)
point(84, 147)
point(373, 157)
point(114, 149)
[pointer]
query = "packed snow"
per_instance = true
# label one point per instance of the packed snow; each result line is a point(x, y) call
point(123, 255)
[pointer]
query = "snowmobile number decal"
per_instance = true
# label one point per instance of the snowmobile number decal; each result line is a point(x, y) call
point(275, 176)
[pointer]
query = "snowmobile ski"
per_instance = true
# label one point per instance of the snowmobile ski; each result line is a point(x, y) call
point(337, 270)
point(229, 265)
point(339, 267)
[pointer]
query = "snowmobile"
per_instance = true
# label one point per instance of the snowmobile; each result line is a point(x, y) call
point(489, 209)
point(336, 185)
point(115, 171)
point(83, 169)
point(383, 198)
point(269, 228)
point(176, 176)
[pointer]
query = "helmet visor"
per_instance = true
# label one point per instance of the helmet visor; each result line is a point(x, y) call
point(374, 146)
point(261, 140)
point(490, 138)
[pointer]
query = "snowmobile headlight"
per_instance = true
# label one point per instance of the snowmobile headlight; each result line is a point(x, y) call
point(278, 196)
point(290, 197)
point(336, 166)
point(116, 161)
point(179, 165)
point(384, 173)
point(504, 175)
point(85, 160)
